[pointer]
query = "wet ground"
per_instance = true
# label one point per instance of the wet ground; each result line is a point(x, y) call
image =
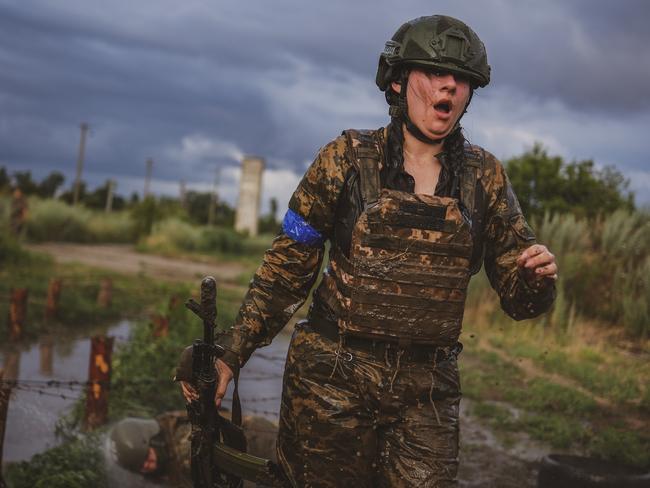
point(485, 461)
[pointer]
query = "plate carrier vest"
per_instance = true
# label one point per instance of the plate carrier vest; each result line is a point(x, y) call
point(409, 265)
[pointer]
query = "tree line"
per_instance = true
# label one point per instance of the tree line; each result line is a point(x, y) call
point(195, 205)
point(544, 184)
point(548, 184)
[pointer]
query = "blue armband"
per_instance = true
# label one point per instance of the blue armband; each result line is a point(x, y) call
point(300, 231)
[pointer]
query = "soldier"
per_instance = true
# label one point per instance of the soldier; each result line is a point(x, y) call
point(371, 389)
point(160, 448)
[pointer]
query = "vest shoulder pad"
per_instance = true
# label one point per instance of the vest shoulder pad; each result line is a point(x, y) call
point(366, 154)
point(365, 143)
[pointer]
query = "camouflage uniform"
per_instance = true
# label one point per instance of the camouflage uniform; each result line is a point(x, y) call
point(371, 392)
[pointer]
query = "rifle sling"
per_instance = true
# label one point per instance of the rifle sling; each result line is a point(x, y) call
point(236, 402)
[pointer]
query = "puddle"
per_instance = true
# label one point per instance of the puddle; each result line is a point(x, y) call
point(32, 416)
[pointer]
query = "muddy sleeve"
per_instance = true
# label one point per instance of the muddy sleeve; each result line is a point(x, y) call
point(507, 234)
point(290, 268)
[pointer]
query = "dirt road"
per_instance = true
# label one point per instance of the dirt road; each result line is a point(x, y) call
point(124, 259)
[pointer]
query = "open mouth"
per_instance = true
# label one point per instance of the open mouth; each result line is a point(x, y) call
point(444, 107)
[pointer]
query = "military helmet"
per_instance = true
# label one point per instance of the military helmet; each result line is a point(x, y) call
point(130, 441)
point(435, 41)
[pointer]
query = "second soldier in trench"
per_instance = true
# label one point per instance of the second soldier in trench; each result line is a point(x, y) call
point(371, 388)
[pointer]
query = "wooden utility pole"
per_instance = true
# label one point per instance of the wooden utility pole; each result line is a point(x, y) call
point(147, 178)
point(110, 188)
point(80, 162)
point(99, 377)
point(213, 198)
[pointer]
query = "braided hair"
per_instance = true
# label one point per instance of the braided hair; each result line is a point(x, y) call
point(453, 145)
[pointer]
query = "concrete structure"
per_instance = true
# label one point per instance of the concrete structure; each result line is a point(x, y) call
point(250, 192)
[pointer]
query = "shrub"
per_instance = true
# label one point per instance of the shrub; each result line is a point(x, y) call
point(174, 235)
point(54, 220)
point(73, 464)
point(604, 269)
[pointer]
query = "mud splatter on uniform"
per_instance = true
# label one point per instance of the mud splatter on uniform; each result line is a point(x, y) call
point(378, 406)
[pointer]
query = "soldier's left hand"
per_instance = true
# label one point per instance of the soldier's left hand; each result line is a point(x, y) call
point(537, 265)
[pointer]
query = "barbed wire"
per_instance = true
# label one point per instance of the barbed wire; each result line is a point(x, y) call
point(63, 396)
point(72, 384)
point(46, 393)
point(41, 391)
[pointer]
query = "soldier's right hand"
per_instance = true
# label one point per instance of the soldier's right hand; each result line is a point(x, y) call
point(225, 375)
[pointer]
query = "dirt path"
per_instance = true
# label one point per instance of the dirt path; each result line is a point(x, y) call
point(124, 259)
point(485, 462)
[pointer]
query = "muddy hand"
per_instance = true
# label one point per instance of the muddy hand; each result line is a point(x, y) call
point(537, 264)
point(224, 373)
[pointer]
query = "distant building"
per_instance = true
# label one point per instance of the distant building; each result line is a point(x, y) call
point(250, 192)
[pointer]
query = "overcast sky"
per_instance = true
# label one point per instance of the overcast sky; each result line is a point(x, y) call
point(195, 84)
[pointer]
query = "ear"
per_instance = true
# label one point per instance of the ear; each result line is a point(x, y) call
point(397, 87)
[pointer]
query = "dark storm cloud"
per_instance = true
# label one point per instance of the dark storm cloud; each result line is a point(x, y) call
point(590, 55)
point(186, 82)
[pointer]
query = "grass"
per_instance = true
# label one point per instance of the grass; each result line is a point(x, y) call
point(605, 371)
point(566, 416)
point(78, 300)
point(77, 463)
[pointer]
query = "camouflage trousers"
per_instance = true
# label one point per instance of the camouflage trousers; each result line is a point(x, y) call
point(351, 419)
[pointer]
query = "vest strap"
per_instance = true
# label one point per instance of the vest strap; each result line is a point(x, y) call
point(468, 181)
point(366, 157)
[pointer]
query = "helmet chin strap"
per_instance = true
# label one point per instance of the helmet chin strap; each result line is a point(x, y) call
point(400, 111)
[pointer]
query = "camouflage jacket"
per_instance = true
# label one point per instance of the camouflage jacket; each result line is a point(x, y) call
point(290, 268)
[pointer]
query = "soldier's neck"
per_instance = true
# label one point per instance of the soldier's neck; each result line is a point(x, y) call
point(418, 153)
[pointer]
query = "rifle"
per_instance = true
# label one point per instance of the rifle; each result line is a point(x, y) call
point(203, 414)
point(218, 446)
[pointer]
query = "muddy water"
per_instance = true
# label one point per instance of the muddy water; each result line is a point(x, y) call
point(32, 416)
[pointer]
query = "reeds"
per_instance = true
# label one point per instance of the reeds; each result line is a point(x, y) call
point(604, 270)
